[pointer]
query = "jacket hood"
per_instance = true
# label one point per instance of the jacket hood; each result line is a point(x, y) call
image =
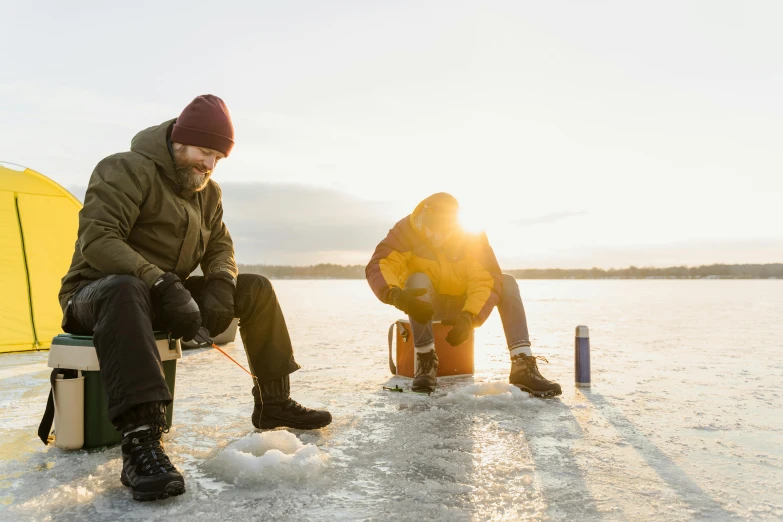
point(439, 200)
point(152, 143)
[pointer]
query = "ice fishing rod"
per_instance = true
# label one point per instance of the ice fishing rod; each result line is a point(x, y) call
point(202, 337)
point(397, 389)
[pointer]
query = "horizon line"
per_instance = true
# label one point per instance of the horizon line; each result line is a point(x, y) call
point(506, 269)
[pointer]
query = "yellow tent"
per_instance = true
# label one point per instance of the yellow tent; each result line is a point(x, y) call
point(38, 225)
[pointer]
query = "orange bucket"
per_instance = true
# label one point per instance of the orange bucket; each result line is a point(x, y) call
point(452, 360)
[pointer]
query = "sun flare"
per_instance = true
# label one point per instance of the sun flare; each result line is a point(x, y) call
point(471, 220)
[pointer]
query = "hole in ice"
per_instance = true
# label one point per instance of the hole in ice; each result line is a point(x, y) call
point(271, 456)
point(494, 388)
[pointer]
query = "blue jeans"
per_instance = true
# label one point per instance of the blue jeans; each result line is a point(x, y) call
point(512, 312)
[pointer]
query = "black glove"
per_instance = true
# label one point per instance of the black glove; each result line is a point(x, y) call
point(174, 307)
point(405, 301)
point(463, 325)
point(217, 302)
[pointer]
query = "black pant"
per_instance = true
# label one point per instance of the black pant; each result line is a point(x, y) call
point(117, 312)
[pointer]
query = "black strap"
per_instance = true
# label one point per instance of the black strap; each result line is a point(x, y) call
point(45, 428)
point(392, 367)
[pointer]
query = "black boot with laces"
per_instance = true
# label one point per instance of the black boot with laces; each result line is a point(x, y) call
point(146, 468)
point(525, 376)
point(274, 408)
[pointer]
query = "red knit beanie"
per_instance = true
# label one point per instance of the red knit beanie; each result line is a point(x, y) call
point(205, 122)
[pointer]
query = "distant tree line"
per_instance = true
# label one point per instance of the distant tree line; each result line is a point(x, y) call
point(330, 271)
point(675, 272)
point(322, 271)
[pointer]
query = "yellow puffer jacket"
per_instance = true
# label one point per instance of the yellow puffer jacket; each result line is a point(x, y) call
point(464, 265)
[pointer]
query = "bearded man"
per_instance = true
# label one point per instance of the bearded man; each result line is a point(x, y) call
point(151, 216)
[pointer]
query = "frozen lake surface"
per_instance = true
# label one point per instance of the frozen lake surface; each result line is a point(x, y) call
point(684, 420)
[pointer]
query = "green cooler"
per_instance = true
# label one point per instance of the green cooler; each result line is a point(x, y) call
point(76, 352)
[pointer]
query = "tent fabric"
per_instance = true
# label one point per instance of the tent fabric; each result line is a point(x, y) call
point(39, 221)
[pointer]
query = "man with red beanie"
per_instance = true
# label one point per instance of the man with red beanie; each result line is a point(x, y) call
point(150, 217)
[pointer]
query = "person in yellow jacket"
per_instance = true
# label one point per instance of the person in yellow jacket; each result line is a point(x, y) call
point(429, 267)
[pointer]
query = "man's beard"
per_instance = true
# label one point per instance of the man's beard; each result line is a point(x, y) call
point(189, 178)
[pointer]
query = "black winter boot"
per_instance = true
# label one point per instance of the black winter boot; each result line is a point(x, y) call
point(425, 374)
point(276, 409)
point(525, 376)
point(146, 468)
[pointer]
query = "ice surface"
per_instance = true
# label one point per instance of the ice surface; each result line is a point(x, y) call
point(683, 421)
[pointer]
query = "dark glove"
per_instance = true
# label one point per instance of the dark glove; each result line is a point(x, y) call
point(174, 307)
point(217, 302)
point(405, 301)
point(460, 332)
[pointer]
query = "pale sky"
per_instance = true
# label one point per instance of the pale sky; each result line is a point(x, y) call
point(578, 134)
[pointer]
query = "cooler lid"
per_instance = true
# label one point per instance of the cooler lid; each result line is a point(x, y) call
point(77, 352)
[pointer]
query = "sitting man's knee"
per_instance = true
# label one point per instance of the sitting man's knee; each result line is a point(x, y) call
point(256, 281)
point(417, 280)
point(510, 282)
point(124, 284)
point(114, 290)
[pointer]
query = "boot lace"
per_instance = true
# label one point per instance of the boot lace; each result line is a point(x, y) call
point(426, 362)
point(296, 407)
point(530, 362)
point(148, 453)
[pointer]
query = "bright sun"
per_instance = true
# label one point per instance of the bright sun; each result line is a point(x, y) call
point(486, 217)
point(471, 220)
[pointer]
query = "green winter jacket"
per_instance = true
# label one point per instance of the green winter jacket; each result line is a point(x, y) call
point(134, 222)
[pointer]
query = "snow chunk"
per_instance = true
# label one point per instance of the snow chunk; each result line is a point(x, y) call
point(493, 388)
point(489, 392)
point(272, 457)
